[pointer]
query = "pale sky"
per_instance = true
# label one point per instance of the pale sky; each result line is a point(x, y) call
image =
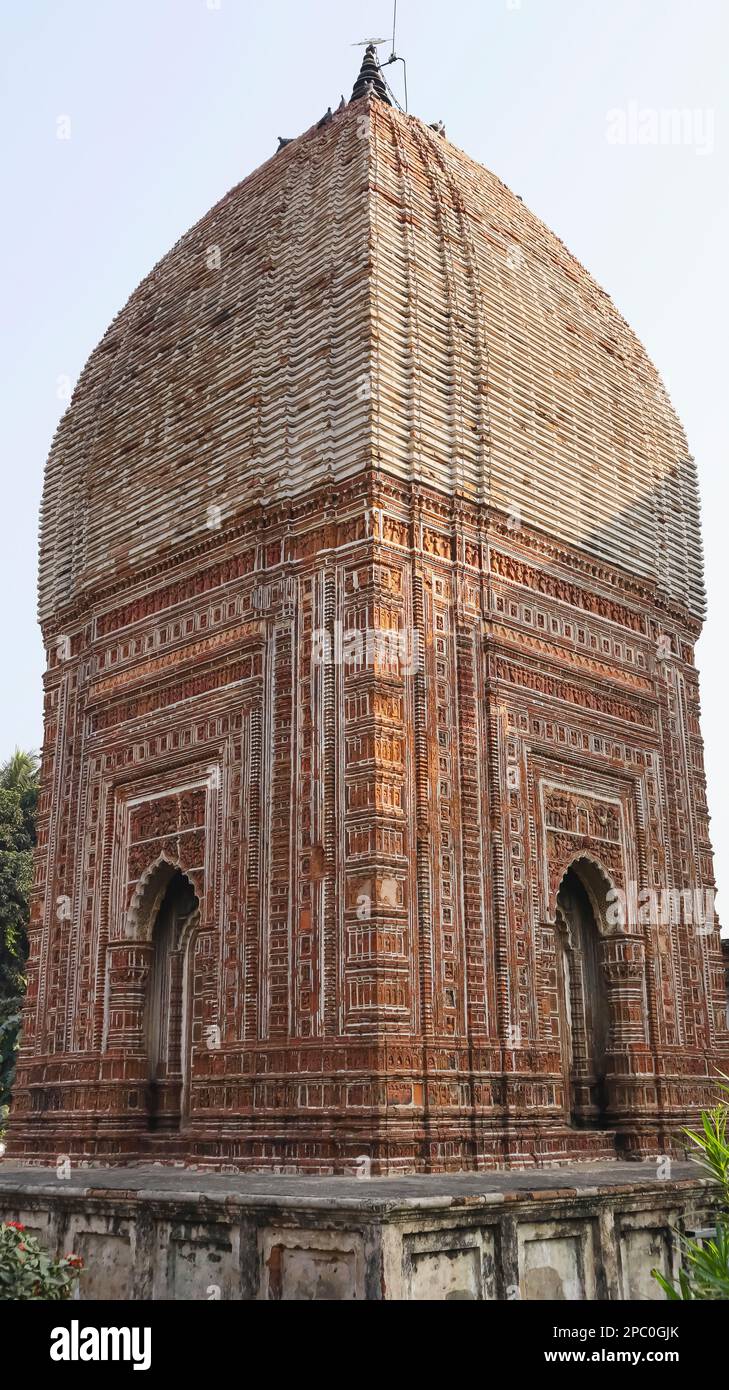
point(169, 103)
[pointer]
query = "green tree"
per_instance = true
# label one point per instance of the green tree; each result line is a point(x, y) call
point(19, 778)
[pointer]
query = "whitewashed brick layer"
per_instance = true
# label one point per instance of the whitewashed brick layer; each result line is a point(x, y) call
point(369, 297)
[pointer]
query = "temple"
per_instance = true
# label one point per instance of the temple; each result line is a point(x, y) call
point(373, 825)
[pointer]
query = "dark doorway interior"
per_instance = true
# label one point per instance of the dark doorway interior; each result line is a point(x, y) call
point(584, 1005)
point(164, 1023)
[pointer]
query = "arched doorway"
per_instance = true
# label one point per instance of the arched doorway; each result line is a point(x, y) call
point(164, 1021)
point(584, 1010)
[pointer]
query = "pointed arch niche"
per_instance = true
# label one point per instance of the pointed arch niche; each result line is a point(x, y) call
point(602, 999)
point(149, 988)
point(165, 1024)
point(583, 990)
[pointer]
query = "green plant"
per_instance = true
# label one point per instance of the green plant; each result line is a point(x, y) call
point(29, 1272)
point(10, 1019)
point(704, 1272)
point(19, 787)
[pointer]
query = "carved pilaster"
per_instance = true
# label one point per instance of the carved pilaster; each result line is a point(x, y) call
point(129, 968)
point(623, 963)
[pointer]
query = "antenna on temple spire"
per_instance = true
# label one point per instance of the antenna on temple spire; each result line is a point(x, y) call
point(370, 78)
point(393, 58)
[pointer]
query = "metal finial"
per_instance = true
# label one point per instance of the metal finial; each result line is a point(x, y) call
point(370, 74)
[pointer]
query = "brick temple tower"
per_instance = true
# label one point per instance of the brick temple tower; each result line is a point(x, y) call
point(370, 580)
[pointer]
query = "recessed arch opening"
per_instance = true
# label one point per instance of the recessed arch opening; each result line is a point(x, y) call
point(581, 923)
point(596, 882)
point(171, 911)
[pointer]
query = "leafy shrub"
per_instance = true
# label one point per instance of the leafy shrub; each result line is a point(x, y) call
point(29, 1272)
point(19, 785)
point(704, 1272)
point(10, 1018)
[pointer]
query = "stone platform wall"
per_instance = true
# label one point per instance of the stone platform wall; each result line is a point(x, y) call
point(147, 1234)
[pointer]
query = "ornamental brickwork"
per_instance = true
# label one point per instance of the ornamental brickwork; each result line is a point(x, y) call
point(349, 750)
point(376, 849)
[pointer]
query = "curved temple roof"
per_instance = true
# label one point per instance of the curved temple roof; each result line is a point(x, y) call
point(369, 297)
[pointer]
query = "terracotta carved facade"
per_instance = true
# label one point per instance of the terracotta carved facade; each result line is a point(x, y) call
point(341, 786)
point(377, 849)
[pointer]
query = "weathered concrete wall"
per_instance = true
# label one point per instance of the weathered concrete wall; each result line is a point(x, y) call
point(292, 1239)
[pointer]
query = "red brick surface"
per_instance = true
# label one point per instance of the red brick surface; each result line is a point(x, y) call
point(376, 851)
